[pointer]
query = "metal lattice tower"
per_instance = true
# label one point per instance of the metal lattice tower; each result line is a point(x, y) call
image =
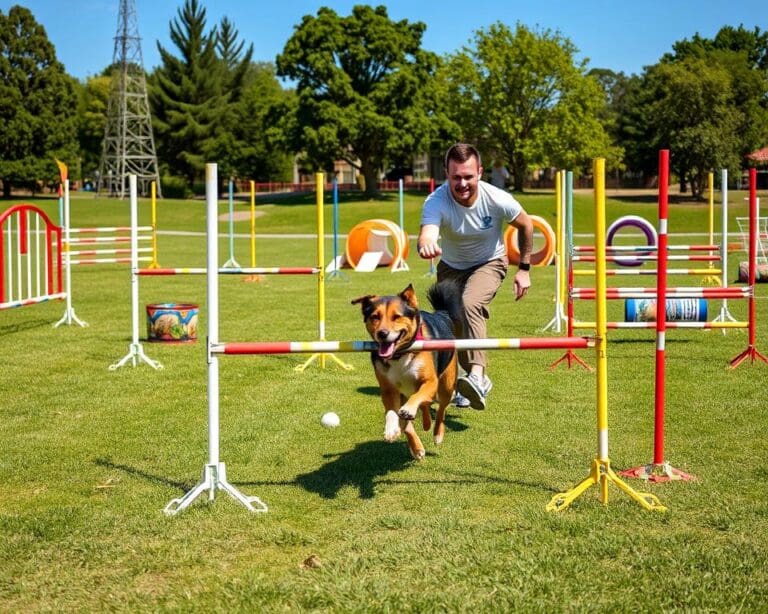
point(128, 147)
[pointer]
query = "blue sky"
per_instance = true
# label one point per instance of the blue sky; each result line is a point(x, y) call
point(620, 35)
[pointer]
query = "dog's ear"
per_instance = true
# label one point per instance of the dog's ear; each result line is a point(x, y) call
point(368, 298)
point(409, 296)
point(366, 304)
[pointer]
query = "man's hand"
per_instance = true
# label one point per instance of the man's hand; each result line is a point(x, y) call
point(429, 249)
point(522, 283)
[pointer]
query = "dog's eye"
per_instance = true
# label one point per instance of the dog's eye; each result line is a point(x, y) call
point(374, 317)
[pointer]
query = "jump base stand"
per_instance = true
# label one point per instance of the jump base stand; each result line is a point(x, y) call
point(214, 478)
point(569, 358)
point(69, 317)
point(320, 358)
point(657, 472)
point(135, 355)
point(752, 353)
point(602, 474)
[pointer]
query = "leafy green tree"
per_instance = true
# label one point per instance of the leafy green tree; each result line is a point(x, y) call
point(187, 95)
point(92, 111)
point(521, 96)
point(362, 90)
point(37, 104)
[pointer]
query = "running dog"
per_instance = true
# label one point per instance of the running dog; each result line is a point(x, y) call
point(410, 381)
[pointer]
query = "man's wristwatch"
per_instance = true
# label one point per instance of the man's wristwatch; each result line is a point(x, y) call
point(524, 266)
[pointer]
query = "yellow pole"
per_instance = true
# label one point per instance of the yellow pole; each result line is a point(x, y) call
point(600, 471)
point(319, 195)
point(712, 278)
point(153, 191)
point(601, 326)
point(561, 241)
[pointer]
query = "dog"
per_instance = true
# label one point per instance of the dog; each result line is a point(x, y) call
point(411, 381)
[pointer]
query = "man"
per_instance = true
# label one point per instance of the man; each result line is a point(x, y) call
point(469, 216)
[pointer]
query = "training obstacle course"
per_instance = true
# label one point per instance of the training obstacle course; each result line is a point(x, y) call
point(214, 478)
point(30, 257)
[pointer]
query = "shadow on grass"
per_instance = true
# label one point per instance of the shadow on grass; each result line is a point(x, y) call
point(372, 463)
point(10, 329)
point(140, 473)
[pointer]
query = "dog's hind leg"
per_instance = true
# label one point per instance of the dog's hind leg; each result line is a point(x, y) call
point(439, 431)
point(426, 416)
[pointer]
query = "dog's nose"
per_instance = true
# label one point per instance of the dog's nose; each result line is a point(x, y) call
point(382, 334)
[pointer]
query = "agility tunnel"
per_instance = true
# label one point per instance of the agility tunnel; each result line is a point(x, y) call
point(374, 243)
point(543, 254)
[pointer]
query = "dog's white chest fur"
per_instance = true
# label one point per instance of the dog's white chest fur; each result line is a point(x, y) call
point(402, 372)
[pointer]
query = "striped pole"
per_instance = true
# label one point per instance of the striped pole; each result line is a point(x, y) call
point(674, 292)
point(222, 271)
point(751, 352)
point(306, 347)
point(659, 470)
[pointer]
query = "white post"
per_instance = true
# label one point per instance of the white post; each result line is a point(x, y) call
point(724, 315)
point(69, 312)
point(214, 473)
point(135, 349)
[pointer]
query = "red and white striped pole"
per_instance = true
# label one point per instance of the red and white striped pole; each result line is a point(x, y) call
point(751, 352)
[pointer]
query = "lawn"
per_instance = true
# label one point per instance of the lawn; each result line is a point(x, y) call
point(92, 456)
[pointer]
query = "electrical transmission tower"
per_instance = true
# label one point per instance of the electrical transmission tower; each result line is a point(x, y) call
point(128, 147)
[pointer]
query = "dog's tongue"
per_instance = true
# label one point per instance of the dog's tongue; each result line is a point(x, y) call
point(386, 349)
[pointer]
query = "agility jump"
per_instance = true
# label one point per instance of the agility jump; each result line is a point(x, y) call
point(30, 257)
point(214, 477)
point(136, 354)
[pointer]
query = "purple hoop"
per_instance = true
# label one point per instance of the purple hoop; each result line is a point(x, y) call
point(637, 222)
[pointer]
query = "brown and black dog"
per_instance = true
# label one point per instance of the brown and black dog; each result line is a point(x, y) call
point(410, 381)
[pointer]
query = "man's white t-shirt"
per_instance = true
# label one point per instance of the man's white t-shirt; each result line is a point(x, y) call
point(470, 236)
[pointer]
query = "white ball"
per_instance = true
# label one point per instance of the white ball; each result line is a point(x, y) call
point(330, 420)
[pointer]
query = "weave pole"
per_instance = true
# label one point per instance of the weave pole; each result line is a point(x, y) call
point(253, 277)
point(320, 357)
point(560, 198)
point(601, 473)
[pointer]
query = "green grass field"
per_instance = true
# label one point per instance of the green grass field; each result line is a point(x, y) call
point(90, 457)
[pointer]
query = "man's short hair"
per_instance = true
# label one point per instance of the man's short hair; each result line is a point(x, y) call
point(461, 152)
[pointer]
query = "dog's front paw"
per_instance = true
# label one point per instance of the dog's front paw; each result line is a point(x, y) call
point(391, 427)
point(406, 413)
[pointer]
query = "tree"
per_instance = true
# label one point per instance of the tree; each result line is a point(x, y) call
point(37, 103)
point(362, 90)
point(187, 95)
point(92, 113)
point(690, 110)
point(521, 96)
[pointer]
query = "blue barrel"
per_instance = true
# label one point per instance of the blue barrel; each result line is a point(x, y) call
point(678, 310)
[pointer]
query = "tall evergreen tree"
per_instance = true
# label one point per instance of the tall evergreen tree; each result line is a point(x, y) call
point(37, 103)
point(187, 95)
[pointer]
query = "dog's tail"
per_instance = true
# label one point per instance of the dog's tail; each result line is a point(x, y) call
point(446, 296)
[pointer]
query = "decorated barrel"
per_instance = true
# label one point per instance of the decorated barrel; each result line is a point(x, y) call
point(678, 310)
point(172, 322)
